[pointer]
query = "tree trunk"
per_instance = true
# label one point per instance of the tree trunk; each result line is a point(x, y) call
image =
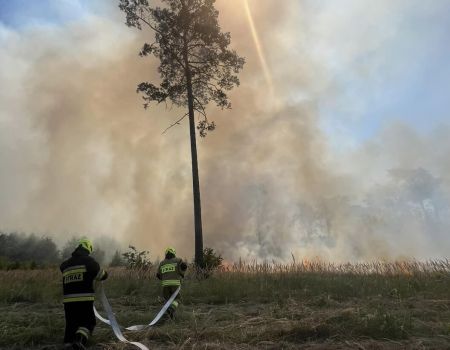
point(195, 177)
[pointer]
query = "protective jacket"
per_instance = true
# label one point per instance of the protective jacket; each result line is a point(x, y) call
point(79, 273)
point(171, 271)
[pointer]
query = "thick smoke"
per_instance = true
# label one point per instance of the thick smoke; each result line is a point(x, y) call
point(79, 154)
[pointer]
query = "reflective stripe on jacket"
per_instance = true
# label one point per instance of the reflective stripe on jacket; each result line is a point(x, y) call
point(78, 275)
point(170, 272)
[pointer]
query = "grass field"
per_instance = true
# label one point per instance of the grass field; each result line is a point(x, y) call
point(403, 305)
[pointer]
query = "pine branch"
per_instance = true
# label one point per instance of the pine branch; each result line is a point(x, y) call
point(176, 123)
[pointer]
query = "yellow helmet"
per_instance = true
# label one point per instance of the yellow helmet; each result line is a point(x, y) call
point(86, 244)
point(171, 250)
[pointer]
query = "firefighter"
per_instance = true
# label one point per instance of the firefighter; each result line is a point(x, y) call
point(79, 273)
point(170, 271)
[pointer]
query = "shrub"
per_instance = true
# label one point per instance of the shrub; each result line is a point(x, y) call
point(137, 260)
point(211, 259)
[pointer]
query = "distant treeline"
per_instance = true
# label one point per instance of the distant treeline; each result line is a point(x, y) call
point(19, 250)
point(31, 251)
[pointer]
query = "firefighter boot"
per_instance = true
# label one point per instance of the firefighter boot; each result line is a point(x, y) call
point(81, 338)
point(171, 312)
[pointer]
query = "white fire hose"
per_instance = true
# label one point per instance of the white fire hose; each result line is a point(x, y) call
point(115, 326)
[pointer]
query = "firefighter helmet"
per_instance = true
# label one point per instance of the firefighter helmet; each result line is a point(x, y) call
point(171, 250)
point(86, 244)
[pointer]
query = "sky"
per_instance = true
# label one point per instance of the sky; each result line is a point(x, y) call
point(404, 74)
point(357, 88)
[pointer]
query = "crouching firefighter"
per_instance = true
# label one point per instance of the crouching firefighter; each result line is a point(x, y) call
point(170, 271)
point(79, 273)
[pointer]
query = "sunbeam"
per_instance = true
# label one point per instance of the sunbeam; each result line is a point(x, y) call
point(259, 48)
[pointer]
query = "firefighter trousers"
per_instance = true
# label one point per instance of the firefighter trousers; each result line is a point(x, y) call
point(167, 293)
point(80, 321)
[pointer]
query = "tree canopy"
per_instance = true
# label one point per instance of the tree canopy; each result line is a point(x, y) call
point(190, 46)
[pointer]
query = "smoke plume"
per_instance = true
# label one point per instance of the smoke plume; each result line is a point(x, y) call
point(79, 154)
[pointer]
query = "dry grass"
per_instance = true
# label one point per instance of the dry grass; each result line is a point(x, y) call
point(252, 306)
point(411, 267)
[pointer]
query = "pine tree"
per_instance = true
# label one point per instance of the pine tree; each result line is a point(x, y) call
point(196, 67)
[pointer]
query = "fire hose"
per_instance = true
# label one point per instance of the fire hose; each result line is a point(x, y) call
point(112, 321)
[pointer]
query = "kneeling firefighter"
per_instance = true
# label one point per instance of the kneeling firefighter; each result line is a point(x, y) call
point(79, 273)
point(170, 271)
